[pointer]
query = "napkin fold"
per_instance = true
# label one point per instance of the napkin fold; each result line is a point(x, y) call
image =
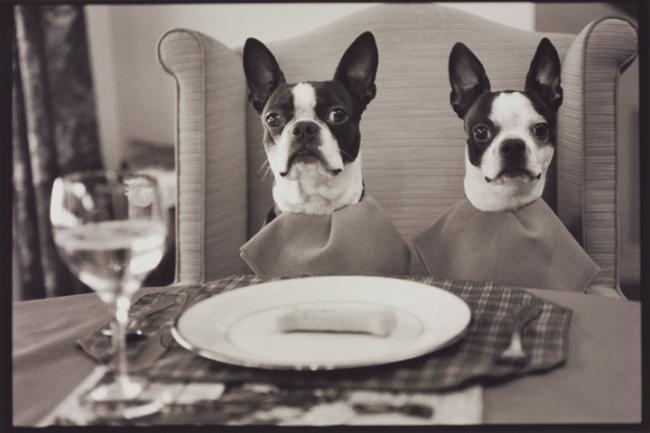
point(358, 239)
point(526, 247)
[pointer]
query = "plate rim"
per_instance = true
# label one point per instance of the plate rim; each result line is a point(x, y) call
point(227, 359)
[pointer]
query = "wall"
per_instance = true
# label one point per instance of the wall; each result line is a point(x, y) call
point(135, 98)
point(520, 15)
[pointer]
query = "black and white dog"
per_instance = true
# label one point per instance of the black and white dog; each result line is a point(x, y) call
point(311, 129)
point(510, 134)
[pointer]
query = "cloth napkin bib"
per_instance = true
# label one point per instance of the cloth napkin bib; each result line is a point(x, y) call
point(358, 239)
point(526, 247)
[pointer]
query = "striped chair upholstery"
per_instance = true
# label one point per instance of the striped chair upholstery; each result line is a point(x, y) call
point(412, 142)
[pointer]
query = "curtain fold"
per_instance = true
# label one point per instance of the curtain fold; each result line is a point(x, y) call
point(54, 133)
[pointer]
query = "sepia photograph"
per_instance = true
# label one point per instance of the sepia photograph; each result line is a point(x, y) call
point(326, 214)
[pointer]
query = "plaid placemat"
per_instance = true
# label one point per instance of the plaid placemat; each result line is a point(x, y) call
point(474, 356)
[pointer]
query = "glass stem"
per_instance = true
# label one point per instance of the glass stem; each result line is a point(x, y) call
point(122, 305)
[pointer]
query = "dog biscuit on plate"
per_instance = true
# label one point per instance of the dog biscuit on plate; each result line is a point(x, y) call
point(375, 321)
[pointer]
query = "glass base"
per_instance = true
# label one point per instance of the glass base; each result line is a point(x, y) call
point(122, 399)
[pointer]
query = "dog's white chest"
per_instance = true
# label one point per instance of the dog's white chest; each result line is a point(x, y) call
point(316, 192)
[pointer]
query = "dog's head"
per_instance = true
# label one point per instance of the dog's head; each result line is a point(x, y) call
point(311, 128)
point(510, 134)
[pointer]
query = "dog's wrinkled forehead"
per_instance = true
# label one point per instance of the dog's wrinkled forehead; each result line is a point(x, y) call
point(294, 101)
point(304, 100)
point(514, 110)
point(508, 108)
point(308, 100)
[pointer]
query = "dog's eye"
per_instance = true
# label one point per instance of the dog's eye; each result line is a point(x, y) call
point(273, 120)
point(338, 115)
point(540, 130)
point(482, 133)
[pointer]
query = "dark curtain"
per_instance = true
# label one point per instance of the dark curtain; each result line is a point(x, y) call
point(54, 133)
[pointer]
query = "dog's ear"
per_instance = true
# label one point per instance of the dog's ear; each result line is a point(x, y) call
point(262, 71)
point(543, 77)
point(358, 67)
point(467, 78)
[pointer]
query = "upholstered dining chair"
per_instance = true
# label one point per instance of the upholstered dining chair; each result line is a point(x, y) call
point(222, 196)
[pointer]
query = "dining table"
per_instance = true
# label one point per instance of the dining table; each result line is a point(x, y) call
point(600, 381)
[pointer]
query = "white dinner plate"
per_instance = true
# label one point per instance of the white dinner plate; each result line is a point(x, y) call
point(239, 327)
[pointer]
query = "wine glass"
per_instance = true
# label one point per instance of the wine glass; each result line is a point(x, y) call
point(110, 229)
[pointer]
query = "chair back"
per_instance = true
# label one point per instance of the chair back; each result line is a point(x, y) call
point(412, 143)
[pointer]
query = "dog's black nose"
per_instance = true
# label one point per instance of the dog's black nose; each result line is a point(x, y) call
point(304, 128)
point(513, 147)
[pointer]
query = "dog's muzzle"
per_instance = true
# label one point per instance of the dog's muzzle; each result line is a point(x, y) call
point(513, 157)
point(304, 131)
point(305, 147)
point(304, 144)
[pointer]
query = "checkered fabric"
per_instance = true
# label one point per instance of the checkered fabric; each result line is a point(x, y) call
point(472, 358)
